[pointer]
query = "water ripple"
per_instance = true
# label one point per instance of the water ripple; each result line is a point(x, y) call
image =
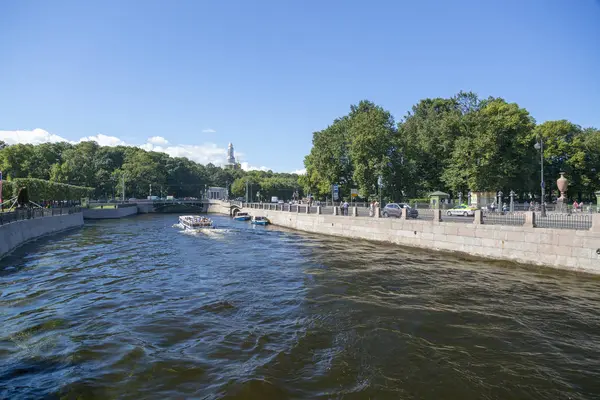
point(135, 309)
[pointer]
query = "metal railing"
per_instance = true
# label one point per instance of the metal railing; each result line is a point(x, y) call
point(553, 220)
point(426, 214)
point(32, 213)
point(499, 218)
point(579, 221)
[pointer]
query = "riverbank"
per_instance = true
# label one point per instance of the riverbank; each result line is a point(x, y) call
point(17, 233)
point(569, 249)
point(137, 308)
point(110, 211)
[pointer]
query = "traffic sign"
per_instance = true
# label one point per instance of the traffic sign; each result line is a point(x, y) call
point(336, 192)
point(354, 192)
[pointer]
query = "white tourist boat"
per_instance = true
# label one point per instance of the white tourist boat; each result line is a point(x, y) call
point(195, 222)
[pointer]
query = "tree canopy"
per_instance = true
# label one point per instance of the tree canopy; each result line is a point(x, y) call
point(87, 164)
point(452, 144)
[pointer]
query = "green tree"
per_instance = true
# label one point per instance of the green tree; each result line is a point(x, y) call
point(16, 160)
point(429, 133)
point(372, 147)
point(329, 161)
point(495, 150)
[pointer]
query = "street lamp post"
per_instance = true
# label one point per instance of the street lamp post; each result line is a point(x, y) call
point(540, 146)
point(123, 193)
point(380, 184)
point(512, 201)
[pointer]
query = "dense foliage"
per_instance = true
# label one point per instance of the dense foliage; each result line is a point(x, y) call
point(455, 145)
point(39, 189)
point(105, 169)
point(7, 190)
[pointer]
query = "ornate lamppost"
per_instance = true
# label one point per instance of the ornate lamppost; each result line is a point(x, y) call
point(512, 201)
point(380, 184)
point(540, 146)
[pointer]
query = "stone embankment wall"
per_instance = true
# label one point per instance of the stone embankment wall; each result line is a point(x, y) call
point(17, 233)
point(218, 207)
point(109, 213)
point(560, 248)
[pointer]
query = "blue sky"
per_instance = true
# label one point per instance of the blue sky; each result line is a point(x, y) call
point(265, 74)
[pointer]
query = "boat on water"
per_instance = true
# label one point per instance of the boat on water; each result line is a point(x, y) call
point(195, 222)
point(260, 221)
point(242, 216)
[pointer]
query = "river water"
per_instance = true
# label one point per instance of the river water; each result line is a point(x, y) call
point(136, 309)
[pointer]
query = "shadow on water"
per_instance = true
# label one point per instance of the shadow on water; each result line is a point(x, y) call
point(135, 309)
point(12, 261)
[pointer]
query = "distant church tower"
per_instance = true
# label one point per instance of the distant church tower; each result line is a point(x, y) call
point(231, 157)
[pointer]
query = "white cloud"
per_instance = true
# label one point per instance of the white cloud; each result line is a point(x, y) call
point(203, 154)
point(209, 131)
point(247, 167)
point(299, 171)
point(103, 140)
point(35, 136)
point(158, 140)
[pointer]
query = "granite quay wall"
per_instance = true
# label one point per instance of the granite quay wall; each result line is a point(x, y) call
point(219, 207)
point(111, 211)
point(518, 240)
point(19, 231)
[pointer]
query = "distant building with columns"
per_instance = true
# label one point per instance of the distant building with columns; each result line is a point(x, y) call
point(231, 163)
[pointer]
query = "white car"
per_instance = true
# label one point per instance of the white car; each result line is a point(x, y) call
point(462, 210)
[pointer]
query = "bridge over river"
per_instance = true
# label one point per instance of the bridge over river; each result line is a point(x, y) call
point(172, 206)
point(156, 206)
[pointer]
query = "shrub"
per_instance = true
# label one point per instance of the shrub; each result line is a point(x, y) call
point(7, 190)
point(39, 189)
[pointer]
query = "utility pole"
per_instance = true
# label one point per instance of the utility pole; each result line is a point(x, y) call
point(543, 184)
point(123, 181)
point(540, 146)
point(246, 190)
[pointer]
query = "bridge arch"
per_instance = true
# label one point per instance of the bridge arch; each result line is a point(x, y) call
point(178, 207)
point(233, 210)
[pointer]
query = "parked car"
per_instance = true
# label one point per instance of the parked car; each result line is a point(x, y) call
point(395, 210)
point(462, 209)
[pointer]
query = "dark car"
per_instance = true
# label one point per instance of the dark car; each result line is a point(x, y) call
point(395, 210)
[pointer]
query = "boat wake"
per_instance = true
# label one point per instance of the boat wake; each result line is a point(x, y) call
point(215, 233)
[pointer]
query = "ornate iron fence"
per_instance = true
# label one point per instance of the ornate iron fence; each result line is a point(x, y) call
point(500, 218)
point(32, 213)
point(426, 213)
point(579, 221)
